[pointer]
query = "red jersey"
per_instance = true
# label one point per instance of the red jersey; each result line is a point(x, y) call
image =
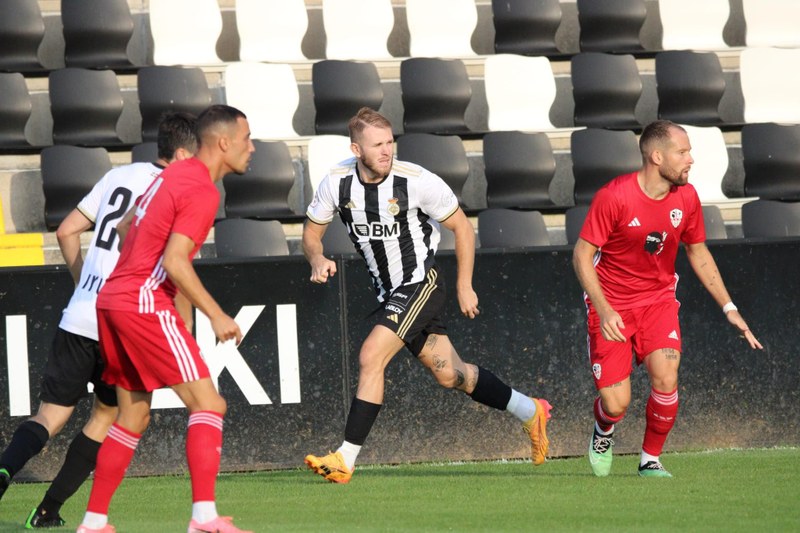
point(184, 200)
point(638, 239)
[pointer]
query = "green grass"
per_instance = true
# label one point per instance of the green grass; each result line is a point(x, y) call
point(731, 490)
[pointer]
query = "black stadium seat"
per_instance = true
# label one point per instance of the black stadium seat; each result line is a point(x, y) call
point(519, 168)
point(97, 33)
point(525, 27)
point(68, 174)
point(86, 106)
point(242, 237)
point(166, 88)
point(771, 155)
point(598, 156)
point(15, 110)
point(436, 93)
point(606, 89)
point(21, 34)
point(341, 88)
point(611, 25)
point(690, 86)
point(506, 228)
point(444, 155)
point(262, 191)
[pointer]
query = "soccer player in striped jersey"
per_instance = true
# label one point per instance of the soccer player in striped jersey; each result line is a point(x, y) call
point(392, 210)
point(144, 341)
point(75, 358)
point(625, 262)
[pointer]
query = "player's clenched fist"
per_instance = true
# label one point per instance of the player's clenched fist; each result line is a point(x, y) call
point(322, 269)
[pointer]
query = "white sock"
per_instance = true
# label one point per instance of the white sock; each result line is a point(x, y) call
point(646, 458)
point(203, 512)
point(601, 432)
point(521, 406)
point(350, 452)
point(95, 520)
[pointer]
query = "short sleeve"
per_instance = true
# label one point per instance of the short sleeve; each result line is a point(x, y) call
point(695, 231)
point(601, 218)
point(322, 208)
point(436, 198)
point(90, 204)
point(195, 213)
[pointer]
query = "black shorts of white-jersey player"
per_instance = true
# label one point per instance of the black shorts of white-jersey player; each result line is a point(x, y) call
point(392, 211)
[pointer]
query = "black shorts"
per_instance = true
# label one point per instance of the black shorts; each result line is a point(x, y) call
point(414, 311)
point(74, 361)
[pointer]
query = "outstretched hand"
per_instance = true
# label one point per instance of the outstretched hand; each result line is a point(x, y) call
point(738, 322)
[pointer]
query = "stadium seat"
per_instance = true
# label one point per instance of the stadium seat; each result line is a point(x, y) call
point(444, 155)
point(341, 88)
point(271, 30)
point(15, 110)
point(611, 25)
point(506, 228)
point(97, 33)
point(771, 155)
point(68, 174)
point(262, 191)
point(574, 218)
point(526, 28)
point(519, 168)
point(242, 237)
point(520, 91)
point(441, 29)
point(606, 89)
point(693, 24)
point(771, 218)
point(167, 89)
point(435, 94)
point(267, 93)
point(324, 152)
point(598, 156)
point(714, 223)
point(770, 80)
point(185, 32)
point(86, 106)
point(690, 86)
point(21, 34)
point(710, 154)
point(357, 29)
point(772, 23)
point(336, 239)
point(144, 152)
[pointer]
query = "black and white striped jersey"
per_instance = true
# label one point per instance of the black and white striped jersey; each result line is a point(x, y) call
point(393, 224)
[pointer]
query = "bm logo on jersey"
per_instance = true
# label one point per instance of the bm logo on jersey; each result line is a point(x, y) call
point(377, 230)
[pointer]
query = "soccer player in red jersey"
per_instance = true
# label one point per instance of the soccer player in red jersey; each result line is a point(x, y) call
point(625, 262)
point(143, 339)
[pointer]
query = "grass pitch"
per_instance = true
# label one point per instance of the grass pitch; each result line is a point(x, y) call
point(730, 490)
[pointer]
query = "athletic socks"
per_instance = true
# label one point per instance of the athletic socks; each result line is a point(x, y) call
point(27, 441)
point(604, 422)
point(80, 461)
point(662, 408)
point(647, 458)
point(203, 454)
point(521, 406)
point(349, 452)
point(113, 459)
point(489, 390)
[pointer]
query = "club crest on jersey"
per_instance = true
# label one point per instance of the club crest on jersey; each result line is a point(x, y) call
point(393, 208)
point(675, 216)
point(597, 370)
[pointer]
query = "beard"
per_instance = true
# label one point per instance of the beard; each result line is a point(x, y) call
point(376, 169)
point(676, 178)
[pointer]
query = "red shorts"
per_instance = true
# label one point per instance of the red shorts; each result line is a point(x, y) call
point(144, 352)
point(647, 329)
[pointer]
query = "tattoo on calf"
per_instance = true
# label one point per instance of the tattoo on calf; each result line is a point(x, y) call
point(459, 378)
point(431, 341)
point(439, 364)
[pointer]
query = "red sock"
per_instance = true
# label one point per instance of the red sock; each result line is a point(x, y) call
point(203, 449)
point(113, 459)
point(662, 407)
point(604, 420)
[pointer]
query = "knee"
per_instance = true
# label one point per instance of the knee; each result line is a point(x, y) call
point(104, 414)
point(665, 384)
point(616, 407)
